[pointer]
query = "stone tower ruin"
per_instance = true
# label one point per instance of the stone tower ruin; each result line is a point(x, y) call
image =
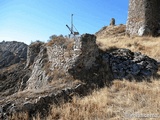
point(143, 17)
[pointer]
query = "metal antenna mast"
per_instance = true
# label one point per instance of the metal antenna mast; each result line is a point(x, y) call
point(77, 44)
point(71, 28)
point(72, 24)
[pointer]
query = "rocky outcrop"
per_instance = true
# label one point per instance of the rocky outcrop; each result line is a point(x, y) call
point(13, 79)
point(83, 64)
point(49, 60)
point(32, 52)
point(42, 103)
point(78, 64)
point(55, 67)
point(12, 61)
point(130, 65)
point(39, 77)
point(12, 52)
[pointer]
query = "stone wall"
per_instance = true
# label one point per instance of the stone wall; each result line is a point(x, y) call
point(143, 17)
point(58, 60)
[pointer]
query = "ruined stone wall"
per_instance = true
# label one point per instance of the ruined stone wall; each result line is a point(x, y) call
point(143, 17)
point(57, 59)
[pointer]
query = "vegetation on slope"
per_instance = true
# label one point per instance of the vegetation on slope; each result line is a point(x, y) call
point(146, 45)
point(123, 99)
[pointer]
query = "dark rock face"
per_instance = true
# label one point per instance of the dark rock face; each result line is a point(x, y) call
point(13, 76)
point(12, 52)
point(89, 66)
point(127, 64)
point(13, 80)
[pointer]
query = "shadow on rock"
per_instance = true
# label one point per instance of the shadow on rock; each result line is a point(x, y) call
point(98, 68)
point(126, 64)
point(90, 67)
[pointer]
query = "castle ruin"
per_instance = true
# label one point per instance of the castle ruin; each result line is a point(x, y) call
point(143, 17)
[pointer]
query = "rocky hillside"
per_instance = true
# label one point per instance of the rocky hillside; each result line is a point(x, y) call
point(53, 72)
point(13, 56)
point(12, 52)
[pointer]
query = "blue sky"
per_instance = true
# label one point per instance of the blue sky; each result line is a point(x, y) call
point(31, 20)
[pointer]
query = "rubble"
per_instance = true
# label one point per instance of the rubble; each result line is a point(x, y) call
point(127, 64)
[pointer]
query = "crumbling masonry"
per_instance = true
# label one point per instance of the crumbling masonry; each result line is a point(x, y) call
point(143, 17)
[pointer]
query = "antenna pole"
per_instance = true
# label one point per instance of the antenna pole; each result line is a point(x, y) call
point(72, 23)
point(71, 29)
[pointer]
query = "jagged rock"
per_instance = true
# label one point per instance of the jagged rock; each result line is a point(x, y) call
point(17, 48)
point(42, 104)
point(125, 63)
point(7, 59)
point(11, 53)
point(39, 77)
point(32, 52)
point(13, 80)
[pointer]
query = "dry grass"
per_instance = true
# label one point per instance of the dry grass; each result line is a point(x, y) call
point(19, 116)
point(62, 41)
point(147, 45)
point(124, 100)
point(115, 103)
point(113, 31)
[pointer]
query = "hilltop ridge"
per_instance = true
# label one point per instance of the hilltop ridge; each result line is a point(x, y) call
point(111, 31)
point(54, 72)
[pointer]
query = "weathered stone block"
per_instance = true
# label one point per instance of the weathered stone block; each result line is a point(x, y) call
point(143, 13)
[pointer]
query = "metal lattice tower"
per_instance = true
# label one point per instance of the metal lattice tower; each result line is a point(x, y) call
point(75, 33)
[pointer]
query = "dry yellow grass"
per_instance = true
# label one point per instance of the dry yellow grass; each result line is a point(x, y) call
point(147, 45)
point(123, 100)
point(63, 41)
